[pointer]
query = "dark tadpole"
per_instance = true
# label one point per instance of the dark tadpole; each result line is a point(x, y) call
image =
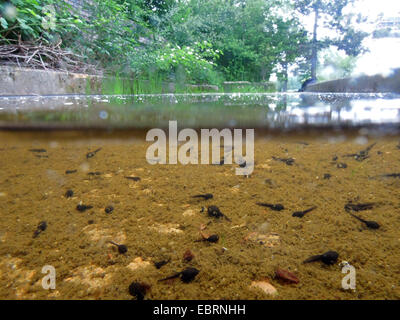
point(109, 209)
point(70, 171)
point(96, 173)
point(361, 155)
point(341, 165)
point(213, 211)
point(83, 207)
point(69, 193)
point(391, 175)
point(42, 226)
point(121, 247)
point(328, 258)
point(358, 206)
point(288, 161)
point(243, 164)
point(161, 263)
point(275, 207)
point(369, 224)
point(213, 238)
point(38, 150)
point(327, 176)
point(92, 154)
point(133, 178)
point(186, 275)
point(300, 214)
point(205, 196)
point(138, 289)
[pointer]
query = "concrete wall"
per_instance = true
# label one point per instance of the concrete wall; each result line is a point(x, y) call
point(376, 83)
point(22, 81)
point(16, 81)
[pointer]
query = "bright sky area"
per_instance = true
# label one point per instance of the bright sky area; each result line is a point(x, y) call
point(384, 53)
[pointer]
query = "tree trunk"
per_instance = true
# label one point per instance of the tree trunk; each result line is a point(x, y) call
point(285, 79)
point(314, 53)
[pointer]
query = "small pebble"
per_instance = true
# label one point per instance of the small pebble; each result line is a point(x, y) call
point(188, 255)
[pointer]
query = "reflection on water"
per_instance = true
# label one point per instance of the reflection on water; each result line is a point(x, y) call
point(255, 110)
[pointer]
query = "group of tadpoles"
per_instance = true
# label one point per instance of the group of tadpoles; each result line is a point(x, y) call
point(139, 289)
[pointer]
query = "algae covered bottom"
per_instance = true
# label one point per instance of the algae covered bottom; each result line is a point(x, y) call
point(70, 199)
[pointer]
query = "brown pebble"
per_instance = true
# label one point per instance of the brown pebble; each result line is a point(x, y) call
point(188, 255)
point(286, 276)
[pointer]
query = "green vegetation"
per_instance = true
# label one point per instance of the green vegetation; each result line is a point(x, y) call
point(192, 41)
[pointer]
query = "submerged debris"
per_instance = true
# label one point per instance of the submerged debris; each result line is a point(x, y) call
point(328, 258)
point(42, 226)
point(121, 247)
point(341, 165)
point(205, 196)
point(300, 214)
point(186, 275)
point(138, 289)
point(213, 211)
point(275, 207)
point(92, 154)
point(286, 276)
point(327, 176)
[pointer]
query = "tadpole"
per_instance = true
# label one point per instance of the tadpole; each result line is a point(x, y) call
point(69, 193)
point(161, 263)
point(288, 161)
point(300, 214)
point(205, 196)
point(369, 224)
point(213, 211)
point(82, 207)
point(109, 209)
point(275, 207)
point(186, 275)
point(328, 258)
point(42, 226)
point(213, 238)
point(138, 289)
point(92, 154)
point(359, 206)
point(121, 247)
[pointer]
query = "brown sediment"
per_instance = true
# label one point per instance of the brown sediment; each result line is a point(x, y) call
point(156, 217)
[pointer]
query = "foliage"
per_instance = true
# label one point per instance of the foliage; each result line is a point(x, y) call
point(193, 41)
point(33, 19)
point(197, 61)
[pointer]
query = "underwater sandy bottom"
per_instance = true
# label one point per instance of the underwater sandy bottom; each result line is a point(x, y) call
point(157, 219)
